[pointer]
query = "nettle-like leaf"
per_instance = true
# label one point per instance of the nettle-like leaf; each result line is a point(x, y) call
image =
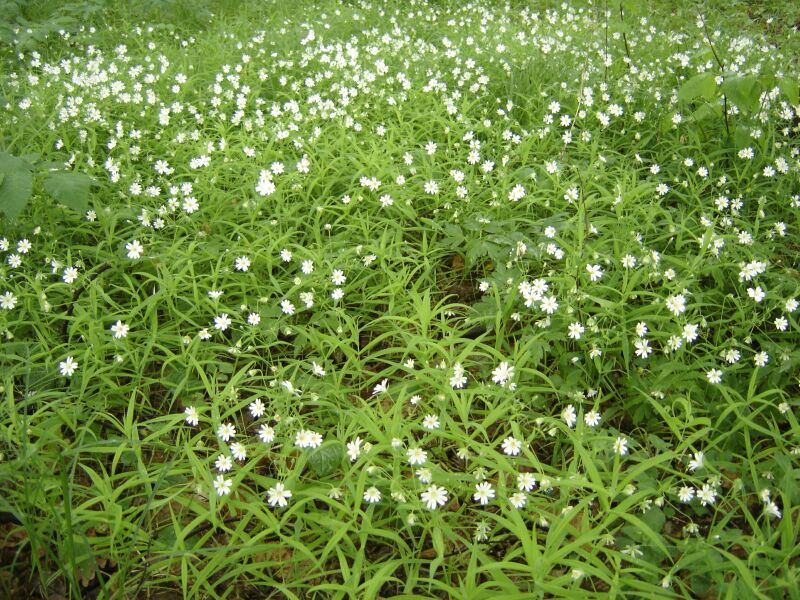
point(790, 89)
point(16, 185)
point(327, 458)
point(744, 91)
point(70, 189)
point(703, 86)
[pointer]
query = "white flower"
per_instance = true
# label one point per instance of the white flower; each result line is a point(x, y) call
point(257, 408)
point(643, 349)
point(120, 330)
point(338, 277)
point(685, 494)
point(354, 449)
point(714, 376)
point(8, 301)
point(226, 431)
point(503, 373)
point(707, 495)
point(595, 272)
point(266, 434)
point(676, 304)
point(570, 416)
point(732, 356)
point(434, 496)
point(222, 322)
point(511, 446)
point(526, 482)
point(484, 492)
point(772, 509)
point(317, 369)
point(265, 185)
point(192, 416)
point(518, 499)
point(756, 293)
point(690, 332)
point(458, 379)
point(223, 464)
point(222, 485)
point(190, 205)
point(372, 495)
point(307, 298)
point(239, 451)
point(517, 193)
point(416, 456)
point(697, 461)
point(70, 274)
point(549, 304)
point(287, 307)
point(592, 418)
point(134, 249)
point(621, 446)
point(575, 330)
point(242, 263)
point(253, 319)
point(278, 495)
point(430, 422)
point(307, 267)
point(380, 387)
point(68, 366)
point(306, 438)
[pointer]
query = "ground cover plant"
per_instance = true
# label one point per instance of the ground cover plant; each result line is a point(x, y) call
point(405, 299)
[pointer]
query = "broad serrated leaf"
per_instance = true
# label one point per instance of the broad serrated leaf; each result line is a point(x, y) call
point(70, 189)
point(654, 519)
point(15, 190)
point(742, 137)
point(327, 458)
point(704, 111)
point(790, 89)
point(699, 86)
point(743, 91)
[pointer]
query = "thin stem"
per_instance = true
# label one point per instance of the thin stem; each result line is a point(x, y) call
point(721, 68)
point(625, 37)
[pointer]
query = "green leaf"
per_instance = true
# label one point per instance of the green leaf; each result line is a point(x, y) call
point(790, 89)
point(654, 519)
point(702, 85)
point(327, 458)
point(70, 189)
point(15, 190)
point(742, 137)
point(744, 91)
point(704, 111)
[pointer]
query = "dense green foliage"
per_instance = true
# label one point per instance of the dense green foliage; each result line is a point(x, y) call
point(405, 299)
